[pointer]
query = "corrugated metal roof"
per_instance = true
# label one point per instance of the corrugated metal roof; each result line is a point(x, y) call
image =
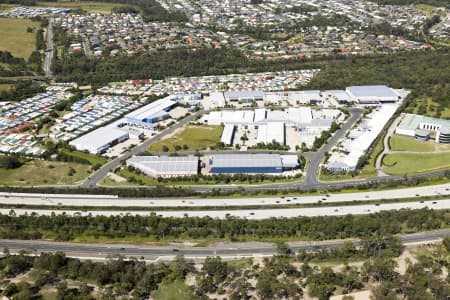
point(227, 134)
point(371, 91)
point(246, 160)
point(164, 165)
point(98, 138)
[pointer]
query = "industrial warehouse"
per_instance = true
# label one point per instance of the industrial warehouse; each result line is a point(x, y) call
point(292, 126)
point(98, 141)
point(425, 128)
point(165, 166)
point(251, 163)
point(243, 163)
point(349, 150)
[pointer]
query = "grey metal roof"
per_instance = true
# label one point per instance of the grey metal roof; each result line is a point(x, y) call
point(99, 137)
point(371, 91)
point(165, 164)
point(246, 160)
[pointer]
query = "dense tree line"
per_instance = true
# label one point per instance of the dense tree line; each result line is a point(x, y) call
point(20, 2)
point(179, 62)
point(10, 162)
point(40, 41)
point(14, 66)
point(20, 90)
point(63, 227)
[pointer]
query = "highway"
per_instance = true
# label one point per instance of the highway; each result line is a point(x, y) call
point(42, 200)
point(49, 50)
point(155, 253)
point(251, 214)
point(317, 158)
point(113, 164)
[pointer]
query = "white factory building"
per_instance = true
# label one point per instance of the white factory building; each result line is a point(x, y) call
point(98, 141)
point(146, 116)
point(270, 132)
point(372, 94)
point(243, 96)
point(423, 127)
point(165, 166)
point(228, 134)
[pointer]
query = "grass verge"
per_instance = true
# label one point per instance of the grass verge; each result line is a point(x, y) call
point(44, 173)
point(405, 143)
point(405, 163)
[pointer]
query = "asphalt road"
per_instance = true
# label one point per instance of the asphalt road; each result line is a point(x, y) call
point(252, 214)
point(317, 158)
point(113, 164)
point(227, 250)
point(86, 47)
point(49, 54)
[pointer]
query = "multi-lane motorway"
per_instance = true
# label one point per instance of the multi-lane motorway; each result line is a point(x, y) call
point(42, 200)
point(254, 214)
point(153, 253)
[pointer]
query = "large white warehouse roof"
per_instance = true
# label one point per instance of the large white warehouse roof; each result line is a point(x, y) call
point(165, 165)
point(380, 91)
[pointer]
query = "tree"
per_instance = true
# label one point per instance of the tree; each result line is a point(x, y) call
point(446, 243)
point(381, 269)
point(216, 268)
point(10, 162)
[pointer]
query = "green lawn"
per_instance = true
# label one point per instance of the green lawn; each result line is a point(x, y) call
point(93, 159)
point(401, 164)
point(15, 38)
point(176, 290)
point(89, 6)
point(5, 87)
point(194, 137)
point(41, 172)
point(405, 143)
